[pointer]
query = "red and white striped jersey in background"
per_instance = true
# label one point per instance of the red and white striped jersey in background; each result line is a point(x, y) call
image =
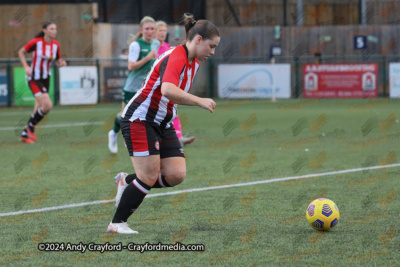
point(43, 55)
point(149, 104)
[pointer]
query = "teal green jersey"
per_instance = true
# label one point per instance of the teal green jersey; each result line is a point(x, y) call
point(137, 51)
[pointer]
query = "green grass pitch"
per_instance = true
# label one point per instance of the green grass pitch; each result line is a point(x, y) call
point(242, 141)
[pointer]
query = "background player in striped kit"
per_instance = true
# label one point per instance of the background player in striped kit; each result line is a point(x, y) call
point(45, 50)
point(146, 124)
point(161, 35)
point(142, 52)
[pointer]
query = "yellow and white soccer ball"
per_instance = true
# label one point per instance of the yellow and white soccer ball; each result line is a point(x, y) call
point(322, 214)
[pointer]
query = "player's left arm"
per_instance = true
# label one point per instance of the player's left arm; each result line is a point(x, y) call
point(59, 61)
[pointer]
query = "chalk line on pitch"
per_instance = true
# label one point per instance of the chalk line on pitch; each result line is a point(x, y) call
point(56, 125)
point(204, 189)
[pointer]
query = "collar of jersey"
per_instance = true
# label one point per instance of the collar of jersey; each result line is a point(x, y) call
point(44, 41)
point(187, 56)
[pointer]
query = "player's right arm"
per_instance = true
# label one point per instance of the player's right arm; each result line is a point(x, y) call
point(178, 96)
point(21, 55)
point(170, 71)
point(29, 47)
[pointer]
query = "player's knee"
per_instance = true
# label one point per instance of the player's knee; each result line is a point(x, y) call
point(47, 106)
point(149, 178)
point(179, 177)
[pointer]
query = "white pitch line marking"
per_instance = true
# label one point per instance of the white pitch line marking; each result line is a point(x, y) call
point(56, 125)
point(202, 189)
point(16, 111)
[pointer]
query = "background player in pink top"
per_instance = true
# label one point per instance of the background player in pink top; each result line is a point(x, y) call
point(161, 35)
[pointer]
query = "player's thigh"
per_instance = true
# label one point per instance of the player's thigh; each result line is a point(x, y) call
point(44, 98)
point(147, 168)
point(173, 163)
point(142, 142)
point(141, 138)
point(45, 102)
point(37, 104)
point(170, 145)
point(36, 87)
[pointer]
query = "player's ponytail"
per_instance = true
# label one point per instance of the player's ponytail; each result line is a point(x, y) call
point(44, 26)
point(133, 38)
point(206, 29)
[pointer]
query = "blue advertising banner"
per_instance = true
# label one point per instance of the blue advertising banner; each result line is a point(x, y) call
point(3, 87)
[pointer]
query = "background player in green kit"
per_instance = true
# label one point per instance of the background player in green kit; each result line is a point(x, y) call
point(142, 53)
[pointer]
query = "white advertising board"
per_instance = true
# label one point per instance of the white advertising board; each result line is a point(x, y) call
point(78, 85)
point(254, 81)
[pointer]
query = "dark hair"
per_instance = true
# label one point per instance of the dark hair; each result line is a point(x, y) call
point(206, 29)
point(44, 26)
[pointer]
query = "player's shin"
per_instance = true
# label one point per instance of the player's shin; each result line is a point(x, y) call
point(117, 123)
point(131, 200)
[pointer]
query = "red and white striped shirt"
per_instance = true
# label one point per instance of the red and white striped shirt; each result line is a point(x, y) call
point(43, 55)
point(149, 104)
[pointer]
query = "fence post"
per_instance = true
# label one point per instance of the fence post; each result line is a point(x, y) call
point(385, 91)
point(10, 87)
point(98, 81)
point(56, 85)
point(297, 75)
point(211, 79)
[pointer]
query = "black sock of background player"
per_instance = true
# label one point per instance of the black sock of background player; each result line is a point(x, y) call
point(130, 200)
point(35, 119)
point(24, 132)
point(131, 177)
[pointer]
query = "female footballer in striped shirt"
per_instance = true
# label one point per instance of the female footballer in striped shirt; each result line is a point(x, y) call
point(146, 121)
point(45, 50)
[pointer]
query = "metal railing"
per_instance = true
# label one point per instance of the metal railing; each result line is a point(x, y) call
point(297, 68)
point(295, 62)
point(9, 63)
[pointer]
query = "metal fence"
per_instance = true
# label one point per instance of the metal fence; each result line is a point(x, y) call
point(9, 64)
point(207, 78)
point(297, 64)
